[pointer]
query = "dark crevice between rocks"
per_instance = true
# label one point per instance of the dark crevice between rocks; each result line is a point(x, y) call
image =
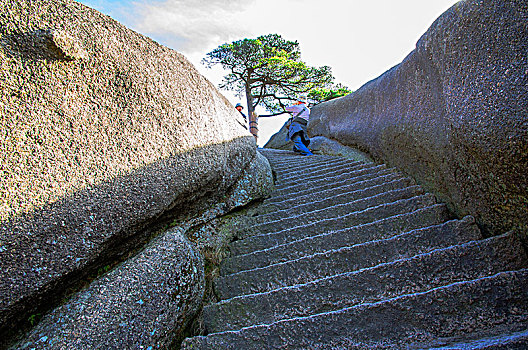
point(274, 174)
point(213, 255)
point(114, 252)
point(183, 333)
point(70, 284)
point(120, 250)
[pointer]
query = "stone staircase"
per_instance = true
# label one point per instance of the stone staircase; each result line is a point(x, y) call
point(351, 255)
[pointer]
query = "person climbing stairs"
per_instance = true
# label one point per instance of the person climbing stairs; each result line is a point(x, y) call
point(354, 255)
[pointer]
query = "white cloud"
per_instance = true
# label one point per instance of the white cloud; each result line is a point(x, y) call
point(358, 39)
point(191, 26)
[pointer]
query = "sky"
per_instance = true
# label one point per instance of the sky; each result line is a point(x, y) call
point(358, 39)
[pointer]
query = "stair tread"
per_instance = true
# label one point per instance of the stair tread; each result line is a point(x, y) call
point(272, 202)
point(347, 254)
point(316, 214)
point(256, 241)
point(467, 261)
point(394, 322)
point(342, 198)
point(287, 179)
point(509, 341)
point(380, 229)
point(284, 173)
point(351, 258)
point(329, 178)
point(296, 191)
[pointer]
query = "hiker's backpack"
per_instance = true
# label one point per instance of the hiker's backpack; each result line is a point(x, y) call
point(290, 121)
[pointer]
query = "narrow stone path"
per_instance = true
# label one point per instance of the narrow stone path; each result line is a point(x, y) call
point(351, 255)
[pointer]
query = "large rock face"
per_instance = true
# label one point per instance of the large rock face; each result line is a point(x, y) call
point(453, 113)
point(102, 131)
point(146, 302)
point(279, 140)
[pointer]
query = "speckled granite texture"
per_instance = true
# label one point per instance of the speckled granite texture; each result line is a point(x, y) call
point(102, 131)
point(256, 182)
point(138, 305)
point(452, 114)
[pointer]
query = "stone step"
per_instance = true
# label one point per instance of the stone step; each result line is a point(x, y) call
point(298, 169)
point(290, 163)
point(314, 214)
point(297, 175)
point(410, 321)
point(347, 179)
point(380, 229)
point(292, 201)
point(332, 199)
point(323, 176)
point(261, 241)
point(346, 259)
point(295, 162)
point(504, 341)
point(285, 160)
point(328, 182)
point(468, 261)
point(286, 156)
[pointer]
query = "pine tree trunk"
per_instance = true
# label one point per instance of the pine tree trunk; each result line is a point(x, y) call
point(253, 120)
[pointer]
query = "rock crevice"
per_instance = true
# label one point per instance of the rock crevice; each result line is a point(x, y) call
point(103, 132)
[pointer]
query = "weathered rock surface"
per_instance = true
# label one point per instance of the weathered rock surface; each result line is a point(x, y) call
point(323, 145)
point(255, 182)
point(279, 140)
point(452, 114)
point(138, 305)
point(102, 131)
